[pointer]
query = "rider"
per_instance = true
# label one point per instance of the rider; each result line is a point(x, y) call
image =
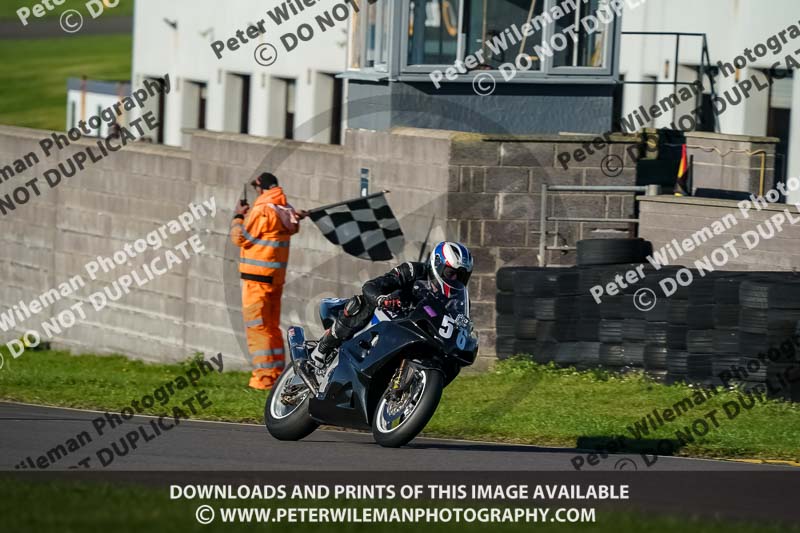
point(447, 271)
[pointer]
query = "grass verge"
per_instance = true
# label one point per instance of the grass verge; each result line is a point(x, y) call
point(8, 10)
point(34, 72)
point(519, 402)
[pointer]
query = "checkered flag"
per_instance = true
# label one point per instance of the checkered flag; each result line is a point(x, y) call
point(363, 227)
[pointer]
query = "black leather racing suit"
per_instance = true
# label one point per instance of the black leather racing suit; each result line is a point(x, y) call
point(359, 309)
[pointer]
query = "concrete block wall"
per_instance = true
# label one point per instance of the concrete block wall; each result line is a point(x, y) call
point(725, 162)
point(197, 306)
point(732, 162)
point(664, 218)
point(484, 191)
point(494, 206)
point(96, 212)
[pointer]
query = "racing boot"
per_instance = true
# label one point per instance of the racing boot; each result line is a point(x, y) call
point(314, 367)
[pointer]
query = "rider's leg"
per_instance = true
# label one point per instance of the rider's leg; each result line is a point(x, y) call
point(356, 314)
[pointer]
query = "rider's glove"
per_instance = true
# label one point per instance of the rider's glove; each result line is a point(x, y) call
point(390, 302)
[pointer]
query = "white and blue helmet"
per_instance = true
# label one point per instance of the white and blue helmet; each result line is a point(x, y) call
point(450, 267)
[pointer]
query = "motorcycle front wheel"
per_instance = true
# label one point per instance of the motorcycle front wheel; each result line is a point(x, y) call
point(286, 412)
point(398, 420)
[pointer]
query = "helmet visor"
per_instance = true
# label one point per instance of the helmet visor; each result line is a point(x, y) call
point(455, 275)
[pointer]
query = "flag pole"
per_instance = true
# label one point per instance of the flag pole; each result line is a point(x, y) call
point(343, 202)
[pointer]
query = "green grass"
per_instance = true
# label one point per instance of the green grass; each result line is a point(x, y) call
point(518, 402)
point(67, 507)
point(8, 9)
point(34, 73)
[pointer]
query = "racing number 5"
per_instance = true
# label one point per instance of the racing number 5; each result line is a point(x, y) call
point(448, 325)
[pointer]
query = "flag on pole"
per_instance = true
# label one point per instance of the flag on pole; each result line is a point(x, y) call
point(363, 227)
point(680, 183)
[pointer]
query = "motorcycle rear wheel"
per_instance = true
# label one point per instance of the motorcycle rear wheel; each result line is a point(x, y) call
point(285, 422)
point(396, 423)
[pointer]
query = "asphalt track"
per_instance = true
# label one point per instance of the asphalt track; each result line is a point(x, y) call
point(30, 431)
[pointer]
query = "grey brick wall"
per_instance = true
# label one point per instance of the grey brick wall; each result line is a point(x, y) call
point(664, 218)
point(494, 206)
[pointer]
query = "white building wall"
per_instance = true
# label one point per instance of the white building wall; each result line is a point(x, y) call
point(185, 53)
point(731, 26)
point(86, 105)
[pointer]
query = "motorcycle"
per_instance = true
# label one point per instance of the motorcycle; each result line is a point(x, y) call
point(388, 378)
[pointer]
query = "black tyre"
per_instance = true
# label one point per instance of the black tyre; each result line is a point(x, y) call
point(525, 328)
point(284, 421)
point(546, 330)
point(700, 341)
point(769, 294)
point(540, 283)
point(633, 354)
point(568, 353)
point(525, 348)
point(568, 282)
point(698, 366)
point(589, 355)
point(505, 277)
point(726, 315)
point(700, 317)
point(677, 362)
point(394, 429)
point(726, 341)
point(656, 332)
point(655, 357)
point(676, 336)
point(505, 303)
point(677, 311)
point(544, 308)
point(724, 365)
point(612, 251)
point(504, 326)
point(566, 330)
point(726, 289)
point(775, 347)
point(610, 331)
point(611, 307)
point(634, 329)
point(775, 321)
point(504, 347)
point(587, 307)
point(588, 330)
point(611, 355)
point(524, 306)
point(544, 352)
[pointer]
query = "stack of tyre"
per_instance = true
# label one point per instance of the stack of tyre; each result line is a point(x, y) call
point(726, 311)
point(677, 354)
point(654, 357)
point(770, 311)
point(620, 326)
point(545, 298)
point(535, 305)
point(700, 330)
point(504, 319)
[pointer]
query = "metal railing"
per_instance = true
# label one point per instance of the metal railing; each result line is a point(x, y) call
point(705, 68)
point(648, 190)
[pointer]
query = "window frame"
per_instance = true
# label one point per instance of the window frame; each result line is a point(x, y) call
point(398, 42)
